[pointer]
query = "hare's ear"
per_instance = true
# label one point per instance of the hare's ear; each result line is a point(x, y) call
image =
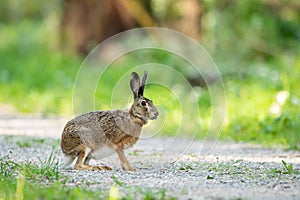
point(135, 84)
point(142, 86)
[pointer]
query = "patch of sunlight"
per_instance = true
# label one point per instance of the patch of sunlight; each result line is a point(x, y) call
point(280, 100)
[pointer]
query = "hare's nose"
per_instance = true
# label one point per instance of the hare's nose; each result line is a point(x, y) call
point(156, 113)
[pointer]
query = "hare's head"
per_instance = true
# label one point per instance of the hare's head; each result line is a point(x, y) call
point(142, 107)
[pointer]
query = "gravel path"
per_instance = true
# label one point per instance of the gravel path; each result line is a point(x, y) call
point(229, 171)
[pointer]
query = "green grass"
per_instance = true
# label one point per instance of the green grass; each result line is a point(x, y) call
point(43, 181)
point(25, 142)
point(234, 169)
point(137, 192)
point(250, 116)
point(36, 77)
point(288, 169)
point(21, 188)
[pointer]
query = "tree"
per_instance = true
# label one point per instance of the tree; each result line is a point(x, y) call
point(85, 22)
point(89, 22)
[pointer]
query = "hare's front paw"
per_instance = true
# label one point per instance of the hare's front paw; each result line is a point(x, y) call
point(130, 169)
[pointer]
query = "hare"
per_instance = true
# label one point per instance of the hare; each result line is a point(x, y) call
point(86, 136)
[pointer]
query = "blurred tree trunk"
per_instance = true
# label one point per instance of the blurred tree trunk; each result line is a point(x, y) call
point(189, 21)
point(85, 23)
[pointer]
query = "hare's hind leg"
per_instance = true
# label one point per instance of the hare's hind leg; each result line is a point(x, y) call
point(83, 159)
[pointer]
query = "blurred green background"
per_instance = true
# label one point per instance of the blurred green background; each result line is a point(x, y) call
point(255, 44)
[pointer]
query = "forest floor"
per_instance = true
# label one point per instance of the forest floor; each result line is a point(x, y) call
point(179, 167)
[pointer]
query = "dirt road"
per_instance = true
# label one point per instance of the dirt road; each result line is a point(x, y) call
point(182, 167)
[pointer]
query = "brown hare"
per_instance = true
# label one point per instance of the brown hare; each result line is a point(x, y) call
point(87, 136)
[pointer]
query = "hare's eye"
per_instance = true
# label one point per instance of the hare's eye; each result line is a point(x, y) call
point(143, 103)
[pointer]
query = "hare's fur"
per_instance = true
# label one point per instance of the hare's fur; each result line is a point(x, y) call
point(86, 136)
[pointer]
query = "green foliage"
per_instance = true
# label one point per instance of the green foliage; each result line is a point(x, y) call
point(255, 31)
point(117, 181)
point(43, 181)
point(28, 190)
point(45, 170)
point(30, 141)
point(34, 76)
point(208, 177)
point(24, 144)
point(254, 43)
point(134, 192)
point(289, 169)
point(186, 167)
point(13, 11)
point(8, 167)
point(286, 169)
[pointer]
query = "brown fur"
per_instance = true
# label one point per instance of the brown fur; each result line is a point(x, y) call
point(87, 134)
